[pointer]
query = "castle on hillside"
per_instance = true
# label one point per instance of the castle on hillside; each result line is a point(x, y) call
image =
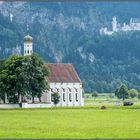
point(134, 25)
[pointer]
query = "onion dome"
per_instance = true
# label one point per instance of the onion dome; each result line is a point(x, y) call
point(28, 38)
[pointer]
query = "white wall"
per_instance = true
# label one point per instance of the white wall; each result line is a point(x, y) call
point(66, 86)
point(26, 105)
point(9, 106)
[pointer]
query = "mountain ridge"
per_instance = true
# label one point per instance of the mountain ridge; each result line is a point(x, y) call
point(69, 33)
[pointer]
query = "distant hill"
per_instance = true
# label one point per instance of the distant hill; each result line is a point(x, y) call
point(69, 32)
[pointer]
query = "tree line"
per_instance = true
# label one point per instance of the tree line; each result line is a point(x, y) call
point(122, 92)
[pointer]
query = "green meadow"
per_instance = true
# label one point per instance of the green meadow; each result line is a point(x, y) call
point(72, 122)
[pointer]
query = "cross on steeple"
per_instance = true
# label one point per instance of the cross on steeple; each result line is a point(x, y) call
point(27, 28)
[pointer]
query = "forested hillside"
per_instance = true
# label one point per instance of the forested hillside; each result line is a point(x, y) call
point(69, 33)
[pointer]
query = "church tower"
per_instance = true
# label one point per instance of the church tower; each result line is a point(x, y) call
point(28, 45)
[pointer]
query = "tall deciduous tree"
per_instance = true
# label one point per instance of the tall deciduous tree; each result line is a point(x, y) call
point(37, 76)
point(122, 92)
point(23, 76)
point(13, 78)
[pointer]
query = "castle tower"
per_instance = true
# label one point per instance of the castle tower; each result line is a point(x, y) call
point(28, 45)
point(114, 24)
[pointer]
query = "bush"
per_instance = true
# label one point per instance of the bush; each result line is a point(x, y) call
point(103, 107)
point(55, 98)
point(94, 95)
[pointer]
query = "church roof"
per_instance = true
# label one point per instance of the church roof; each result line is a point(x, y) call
point(62, 73)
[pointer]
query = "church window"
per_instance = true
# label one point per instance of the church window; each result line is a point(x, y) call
point(25, 51)
point(69, 90)
point(76, 97)
point(76, 90)
point(63, 90)
point(28, 51)
point(70, 97)
point(64, 97)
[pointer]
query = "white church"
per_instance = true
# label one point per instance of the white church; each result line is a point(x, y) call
point(62, 79)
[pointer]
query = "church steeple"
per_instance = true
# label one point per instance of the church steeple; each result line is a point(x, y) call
point(28, 45)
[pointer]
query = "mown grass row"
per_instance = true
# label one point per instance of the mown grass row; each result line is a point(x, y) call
point(108, 107)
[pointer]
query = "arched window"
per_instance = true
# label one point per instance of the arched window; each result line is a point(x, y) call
point(28, 51)
point(76, 89)
point(76, 97)
point(69, 89)
point(25, 51)
point(64, 97)
point(51, 97)
point(63, 90)
point(70, 97)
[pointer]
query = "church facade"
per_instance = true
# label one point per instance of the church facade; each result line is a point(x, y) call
point(63, 79)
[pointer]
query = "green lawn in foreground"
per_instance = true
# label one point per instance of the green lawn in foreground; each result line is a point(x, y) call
point(85, 122)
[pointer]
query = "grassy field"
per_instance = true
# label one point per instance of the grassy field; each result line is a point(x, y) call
point(86, 122)
point(74, 122)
